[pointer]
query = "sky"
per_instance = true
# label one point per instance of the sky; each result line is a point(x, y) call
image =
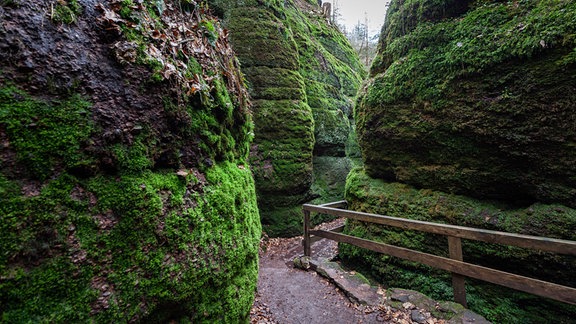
point(352, 11)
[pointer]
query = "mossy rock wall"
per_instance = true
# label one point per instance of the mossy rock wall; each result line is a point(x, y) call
point(303, 76)
point(475, 99)
point(467, 118)
point(500, 305)
point(125, 193)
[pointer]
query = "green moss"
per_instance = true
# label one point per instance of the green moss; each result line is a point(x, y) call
point(8, 189)
point(295, 63)
point(216, 122)
point(40, 283)
point(46, 136)
point(328, 174)
point(148, 237)
point(497, 304)
point(270, 33)
point(47, 294)
point(275, 83)
point(331, 131)
point(210, 30)
point(66, 11)
point(456, 102)
point(489, 34)
point(145, 239)
point(133, 158)
point(284, 139)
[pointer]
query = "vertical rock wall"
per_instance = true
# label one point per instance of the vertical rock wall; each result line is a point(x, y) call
point(468, 119)
point(125, 194)
point(302, 75)
point(475, 100)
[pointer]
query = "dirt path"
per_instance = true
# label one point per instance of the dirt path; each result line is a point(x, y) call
point(287, 295)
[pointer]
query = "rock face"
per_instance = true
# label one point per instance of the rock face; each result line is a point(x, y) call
point(475, 99)
point(468, 119)
point(302, 74)
point(125, 194)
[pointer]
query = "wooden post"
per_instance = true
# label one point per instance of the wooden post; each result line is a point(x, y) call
point(458, 281)
point(306, 241)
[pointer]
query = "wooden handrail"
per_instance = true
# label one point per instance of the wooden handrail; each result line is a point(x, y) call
point(520, 240)
point(453, 264)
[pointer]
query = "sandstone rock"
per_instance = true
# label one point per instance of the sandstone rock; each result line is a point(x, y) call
point(123, 191)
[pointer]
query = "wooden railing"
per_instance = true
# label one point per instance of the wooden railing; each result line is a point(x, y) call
point(454, 264)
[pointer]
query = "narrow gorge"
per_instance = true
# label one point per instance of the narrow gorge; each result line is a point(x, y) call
point(150, 148)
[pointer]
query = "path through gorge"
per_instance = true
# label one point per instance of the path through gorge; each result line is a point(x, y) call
point(288, 295)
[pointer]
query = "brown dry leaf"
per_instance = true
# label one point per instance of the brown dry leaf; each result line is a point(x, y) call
point(169, 70)
point(109, 15)
point(156, 34)
point(154, 52)
point(193, 89)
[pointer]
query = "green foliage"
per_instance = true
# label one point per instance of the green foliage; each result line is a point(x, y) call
point(210, 30)
point(495, 303)
point(46, 135)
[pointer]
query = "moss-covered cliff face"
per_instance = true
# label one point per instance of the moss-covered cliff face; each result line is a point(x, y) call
point(468, 119)
point(476, 99)
point(302, 75)
point(125, 194)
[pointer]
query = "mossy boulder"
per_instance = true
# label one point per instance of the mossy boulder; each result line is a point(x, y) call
point(467, 119)
point(475, 99)
point(497, 304)
point(303, 76)
point(125, 192)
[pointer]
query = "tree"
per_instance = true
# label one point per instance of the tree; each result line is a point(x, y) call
point(361, 41)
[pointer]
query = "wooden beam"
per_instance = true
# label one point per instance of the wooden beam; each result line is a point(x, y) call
point(306, 241)
point(314, 238)
point(338, 229)
point(524, 241)
point(336, 204)
point(529, 285)
point(458, 281)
